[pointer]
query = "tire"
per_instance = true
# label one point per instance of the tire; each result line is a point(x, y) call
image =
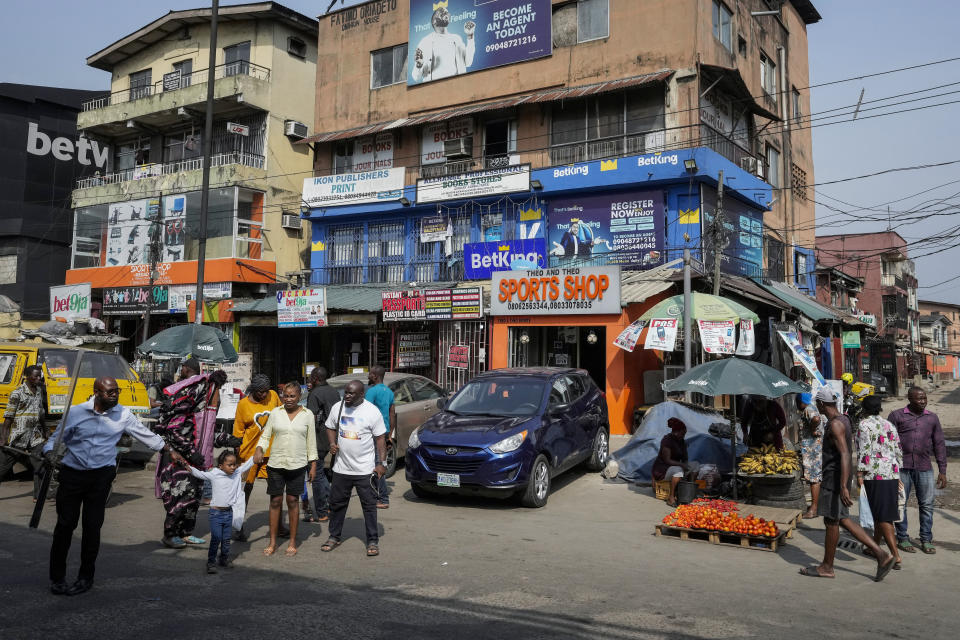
point(421, 491)
point(391, 459)
point(538, 486)
point(601, 450)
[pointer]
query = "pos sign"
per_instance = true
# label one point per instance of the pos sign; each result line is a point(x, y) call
point(240, 129)
point(579, 290)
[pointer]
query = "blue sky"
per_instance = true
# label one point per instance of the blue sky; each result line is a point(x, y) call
point(51, 38)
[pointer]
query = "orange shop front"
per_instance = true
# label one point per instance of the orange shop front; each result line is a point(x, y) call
point(531, 333)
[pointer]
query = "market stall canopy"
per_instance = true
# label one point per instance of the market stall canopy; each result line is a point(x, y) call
point(198, 340)
point(705, 307)
point(735, 376)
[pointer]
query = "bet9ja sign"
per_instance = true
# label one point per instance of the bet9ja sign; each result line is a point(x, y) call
point(72, 300)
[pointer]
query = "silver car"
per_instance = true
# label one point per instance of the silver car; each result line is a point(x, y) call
point(415, 399)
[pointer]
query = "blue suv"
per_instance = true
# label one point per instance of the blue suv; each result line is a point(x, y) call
point(509, 432)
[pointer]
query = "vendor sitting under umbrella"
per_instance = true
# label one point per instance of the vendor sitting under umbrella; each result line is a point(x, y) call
point(673, 461)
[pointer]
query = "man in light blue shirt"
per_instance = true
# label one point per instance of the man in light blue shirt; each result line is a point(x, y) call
point(381, 395)
point(90, 435)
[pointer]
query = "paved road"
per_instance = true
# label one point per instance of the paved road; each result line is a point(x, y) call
point(586, 566)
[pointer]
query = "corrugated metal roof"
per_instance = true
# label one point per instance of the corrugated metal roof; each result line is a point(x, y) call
point(802, 303)
point(637, 286)
point(549, 95)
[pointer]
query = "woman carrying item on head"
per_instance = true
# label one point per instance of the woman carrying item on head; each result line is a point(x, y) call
point(879, 457)
point(187, 420)
point(811, 448)
point(673, 463)
point(293, 449)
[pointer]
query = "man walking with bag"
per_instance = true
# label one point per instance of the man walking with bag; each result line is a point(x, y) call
point(356, 434)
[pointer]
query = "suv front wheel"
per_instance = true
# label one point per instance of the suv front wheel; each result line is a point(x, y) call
point(601, 450)
point(538, 486)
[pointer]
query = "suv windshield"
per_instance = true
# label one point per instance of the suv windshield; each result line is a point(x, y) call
point(499, 397)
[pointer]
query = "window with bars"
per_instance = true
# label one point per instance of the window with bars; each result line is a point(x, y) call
point(385, 261)
point(345, 254)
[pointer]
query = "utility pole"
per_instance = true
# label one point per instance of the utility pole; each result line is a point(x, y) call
point(207, 147)
point(154, 234)
point(717, 231)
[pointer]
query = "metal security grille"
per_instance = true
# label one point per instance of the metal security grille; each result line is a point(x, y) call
point(453, 268)
point(471, 334)
point(345, 255)
point(385, 252)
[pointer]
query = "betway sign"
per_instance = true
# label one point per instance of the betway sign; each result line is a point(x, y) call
point(481, 259)
point(40, 144)
point(70, 300)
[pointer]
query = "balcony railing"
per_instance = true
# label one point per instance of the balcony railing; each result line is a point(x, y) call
point(175, 81)
point(607, 148)
point(447, 168)
point(158, 169)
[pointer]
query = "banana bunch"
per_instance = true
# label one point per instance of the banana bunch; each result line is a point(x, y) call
point(769, 460)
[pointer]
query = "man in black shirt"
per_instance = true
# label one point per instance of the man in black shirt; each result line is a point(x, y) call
point(321, 399)
point(835, 492)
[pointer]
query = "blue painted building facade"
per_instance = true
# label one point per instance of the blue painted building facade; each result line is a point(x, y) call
point(381, 242)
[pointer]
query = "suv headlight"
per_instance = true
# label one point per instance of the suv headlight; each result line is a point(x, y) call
point(414, 441)
point(509, 444)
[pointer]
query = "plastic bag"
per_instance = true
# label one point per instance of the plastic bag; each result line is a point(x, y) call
point(901, 503)
point(866, 516)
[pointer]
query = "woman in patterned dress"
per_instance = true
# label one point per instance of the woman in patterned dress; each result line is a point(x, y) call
point(811, 448)
point(879, 457)
point(187, 420)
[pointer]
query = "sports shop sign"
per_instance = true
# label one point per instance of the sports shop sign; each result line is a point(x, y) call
point(583, 290)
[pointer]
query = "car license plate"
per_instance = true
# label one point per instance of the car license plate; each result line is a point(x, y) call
point(448, 480)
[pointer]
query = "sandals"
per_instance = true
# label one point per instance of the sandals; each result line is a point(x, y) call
point(884, 569)
point(906, 545)
point(928, 548)
point(269, 551)
point(330, 545)
point(373, 550)
point(290, 552)
point(814, 572)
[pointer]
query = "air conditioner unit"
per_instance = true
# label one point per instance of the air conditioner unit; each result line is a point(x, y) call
point(291, 221)
point(459, 148)
point(749, 164)
point(294, 129)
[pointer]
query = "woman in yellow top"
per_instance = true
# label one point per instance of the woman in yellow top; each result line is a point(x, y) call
point(251, 417)
point(291, 436)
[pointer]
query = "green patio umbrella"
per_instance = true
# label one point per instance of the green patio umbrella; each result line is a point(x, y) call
point(704, 307)
point(198, 340)
point(734, 376)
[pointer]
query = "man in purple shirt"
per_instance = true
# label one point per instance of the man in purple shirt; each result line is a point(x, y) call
point(920, 435)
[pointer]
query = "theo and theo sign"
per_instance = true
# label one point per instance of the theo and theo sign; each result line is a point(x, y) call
point(583, 290)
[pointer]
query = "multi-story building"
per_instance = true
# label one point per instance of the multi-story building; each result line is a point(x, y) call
point(42, 159)
point(889, 293)
point(137, 220)
point(455, 139)
point(940, 332)
point(952, 312)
